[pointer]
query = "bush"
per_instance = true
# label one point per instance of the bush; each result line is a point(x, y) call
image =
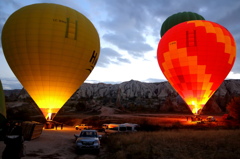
point(234, 108)
point(180, 144)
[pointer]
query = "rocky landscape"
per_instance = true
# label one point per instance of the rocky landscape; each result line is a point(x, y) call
point(154, 106)
point(130, 96)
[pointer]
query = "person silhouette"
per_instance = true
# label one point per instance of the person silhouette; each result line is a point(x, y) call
point(14, 143)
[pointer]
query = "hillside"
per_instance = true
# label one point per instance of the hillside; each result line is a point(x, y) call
point(131, 96)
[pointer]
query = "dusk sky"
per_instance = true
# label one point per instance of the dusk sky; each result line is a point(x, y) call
point(129, 33)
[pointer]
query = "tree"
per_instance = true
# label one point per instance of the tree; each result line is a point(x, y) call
point(234, 108)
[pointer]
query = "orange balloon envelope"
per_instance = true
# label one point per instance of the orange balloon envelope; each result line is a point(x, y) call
point(195, 57)
point(51, 49)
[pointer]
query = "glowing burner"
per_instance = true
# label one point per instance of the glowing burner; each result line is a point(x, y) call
point(49, 113)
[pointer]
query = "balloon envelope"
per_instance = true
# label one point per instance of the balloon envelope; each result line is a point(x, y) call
point(51, 49)
point(195, 57)
point(178, 18)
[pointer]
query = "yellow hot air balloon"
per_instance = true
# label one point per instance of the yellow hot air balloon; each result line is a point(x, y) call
point(51, 49)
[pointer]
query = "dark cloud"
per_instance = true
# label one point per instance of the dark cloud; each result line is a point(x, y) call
point(126, 25)
point(11, 83)
point(134, 45)
point(108, 56)
point(128, 21)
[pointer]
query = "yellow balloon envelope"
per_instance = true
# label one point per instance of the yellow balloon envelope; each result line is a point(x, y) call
point(51, 49)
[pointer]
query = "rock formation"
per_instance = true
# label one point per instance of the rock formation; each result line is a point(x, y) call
point(138, 96)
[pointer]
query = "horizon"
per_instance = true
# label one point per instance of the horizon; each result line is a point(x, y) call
point(119, 83)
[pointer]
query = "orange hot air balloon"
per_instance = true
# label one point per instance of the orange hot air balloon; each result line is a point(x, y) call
point(195, 57)
point(51, 49)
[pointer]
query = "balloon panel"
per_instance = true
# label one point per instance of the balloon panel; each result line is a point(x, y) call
point(51, 49)
point(195, 57)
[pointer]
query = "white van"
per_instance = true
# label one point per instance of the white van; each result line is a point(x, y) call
point(131, 127)
point(127, 127)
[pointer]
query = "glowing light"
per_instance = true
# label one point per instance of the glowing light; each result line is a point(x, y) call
point(49, 115)
point(195, 107)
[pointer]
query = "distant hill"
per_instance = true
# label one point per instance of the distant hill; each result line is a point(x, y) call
point(134, 96)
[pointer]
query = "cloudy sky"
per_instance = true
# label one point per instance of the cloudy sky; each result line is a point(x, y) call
point(129, 32)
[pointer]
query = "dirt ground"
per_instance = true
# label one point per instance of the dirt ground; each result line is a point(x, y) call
point(59, 144)
point(53, 144)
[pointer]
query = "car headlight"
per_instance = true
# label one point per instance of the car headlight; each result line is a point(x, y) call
point(78, 142)
point(96, 142)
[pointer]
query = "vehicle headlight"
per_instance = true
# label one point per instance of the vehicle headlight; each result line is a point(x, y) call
point(79, 142)
point(96, 142)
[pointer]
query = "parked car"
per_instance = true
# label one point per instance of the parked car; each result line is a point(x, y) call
point(88, 140)
point(210, 119)
point(82, 127)
point(104, 126)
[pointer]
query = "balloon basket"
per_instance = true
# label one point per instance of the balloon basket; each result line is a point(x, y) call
point(49, 125)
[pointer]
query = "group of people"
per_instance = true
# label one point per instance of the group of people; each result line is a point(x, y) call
point(13, 139)
point(59, 124)
point(51, 125)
